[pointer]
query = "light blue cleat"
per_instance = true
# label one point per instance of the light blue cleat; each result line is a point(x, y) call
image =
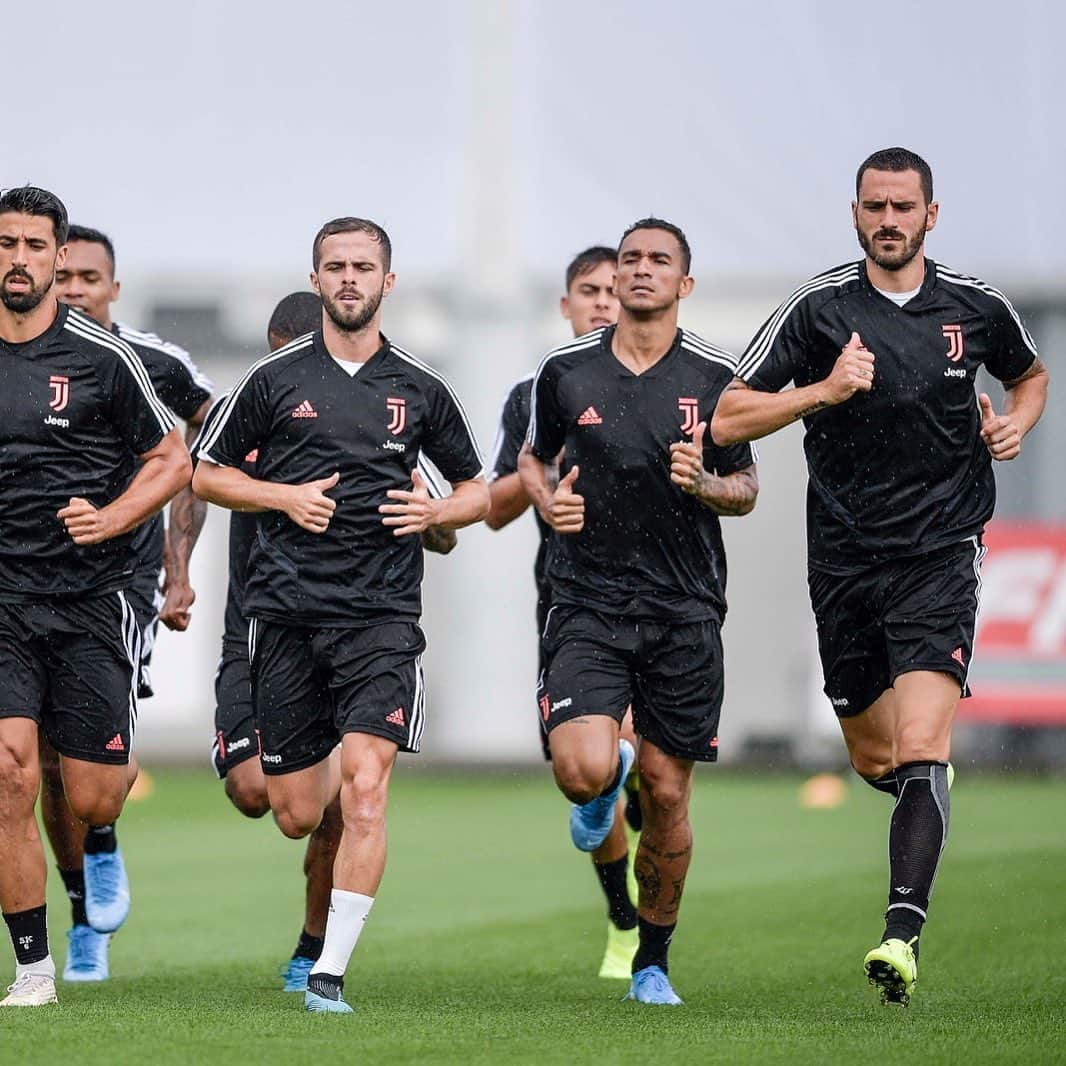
point(651, 985)
point(86, 955)
point(591, 822)
point(107, 890)
point(325, 996)
point(295, 973)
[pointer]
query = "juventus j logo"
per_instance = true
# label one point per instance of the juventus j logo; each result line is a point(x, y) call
point(397, 415)
point(954, 336)
point(60, 392)
point(690, 408)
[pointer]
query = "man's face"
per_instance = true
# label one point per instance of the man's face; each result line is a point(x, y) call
point(86, 280)
point(590, 301)
point(28, 260)
point(650, 275)
point(891, 216)
point(351, 279)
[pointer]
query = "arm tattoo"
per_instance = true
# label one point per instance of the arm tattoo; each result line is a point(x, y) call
point(815, 407)
point(733, 494)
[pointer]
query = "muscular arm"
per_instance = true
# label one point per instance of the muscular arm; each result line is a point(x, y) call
point(509, 500)
point(439, 541)
point(1025, 397)
point(744, 414)
point(734, 494)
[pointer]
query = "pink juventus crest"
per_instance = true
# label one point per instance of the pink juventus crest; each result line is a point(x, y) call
point(60, 392)
point(397, 415)
point(690, 408)
point(954, 336)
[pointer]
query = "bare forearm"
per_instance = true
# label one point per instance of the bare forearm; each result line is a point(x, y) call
point(535, 481)
point(232, 488)
point(158, 480)
point(187, 514)
point(1024, 400)
point(734, 494)
point(509, 500)
point(468, 503)
point(745, 414)
point(439, 541)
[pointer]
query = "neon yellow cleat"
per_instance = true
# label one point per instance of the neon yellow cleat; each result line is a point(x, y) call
point(893, 970)
point(618, 958)
point(632, 839)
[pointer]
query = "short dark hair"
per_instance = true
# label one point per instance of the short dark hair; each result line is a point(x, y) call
point(93, 236)
point(588, 260)
point(297, 314)
point(353, 225)
point(29, 200)
point(898, 159)
point(659, 223)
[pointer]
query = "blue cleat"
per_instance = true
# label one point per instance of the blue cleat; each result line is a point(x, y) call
point(295, 973)
point(325, 995)
point(107, 890)
point(591, 822)
point(651, 985)
point(86, 955)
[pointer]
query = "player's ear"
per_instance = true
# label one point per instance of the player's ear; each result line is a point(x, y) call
point(931, 214)
point(390, 281)
point(688, 283)
point(314, 283)
point(855, 213)
point(61, 256)
point(564, 307)
point(116, 287)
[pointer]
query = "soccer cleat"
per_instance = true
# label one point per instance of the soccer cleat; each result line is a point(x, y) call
point(591, 822)
point(86, 955)
point(633, 840)
point(893, 970)
point(295, 973)
point(31, 990)
point(618, 957)
point(107, 890)
point(651, 985)
point(325, 995)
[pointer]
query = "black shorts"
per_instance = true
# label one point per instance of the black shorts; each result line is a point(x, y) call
point(543, 607)
point(670, 672)
point(911, 614)
point(69, 665)
point(310, 686)
point(236, 737)
point(145, 596)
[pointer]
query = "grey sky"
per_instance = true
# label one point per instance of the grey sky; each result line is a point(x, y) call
point(218, 136)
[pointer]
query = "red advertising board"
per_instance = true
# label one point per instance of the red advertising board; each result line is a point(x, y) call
point(1019, 664)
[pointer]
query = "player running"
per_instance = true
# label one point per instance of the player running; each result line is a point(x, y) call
point(89, 454)
point(91, 863)
point(589, 304)
point(636, 569)
point(884, 353)
point(236, 753)
point(338, 420)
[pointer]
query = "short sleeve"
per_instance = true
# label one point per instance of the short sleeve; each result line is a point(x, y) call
point(1012, 350)
point(179, 383)
point(778, 351)
point(241, 423)
point(547, 422)
point(133, 407)
point(449, 441)
point(728, 459)
point(210, 421)
point(511, 432)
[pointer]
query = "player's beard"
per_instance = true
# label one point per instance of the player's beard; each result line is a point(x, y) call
point(22, 303)
point(896, 260)
point(357, 318)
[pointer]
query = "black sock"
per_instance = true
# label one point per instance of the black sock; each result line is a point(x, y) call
point(29, 935)
point(654, 944)
point(325, 985)
point(74, 880)
point(917, 836)
point(308, 946)
point(620, 907)
point(100, 838)
point(885, 783)
point(614, 778)
point(634, 815)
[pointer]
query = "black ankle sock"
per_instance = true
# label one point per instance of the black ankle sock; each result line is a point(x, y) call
point(326, 985)
point(308, 946)
point(29, 934)
point(620, 907)
point(654, 944)
point(74, 880)
point(613, 784)
point(888, 783)
point(100, 838)
point(634, 815)
point(917, 835)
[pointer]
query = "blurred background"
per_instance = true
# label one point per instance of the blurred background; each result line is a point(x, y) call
point(494, 140)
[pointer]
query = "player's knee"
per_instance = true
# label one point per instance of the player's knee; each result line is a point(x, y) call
point(579, 781)
point(871, 764)
point(297, 822)
point(665, 796)
point(19, 777)
point(249, 798)
point(364, 797)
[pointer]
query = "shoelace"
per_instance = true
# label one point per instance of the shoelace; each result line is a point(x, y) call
point(26, 982)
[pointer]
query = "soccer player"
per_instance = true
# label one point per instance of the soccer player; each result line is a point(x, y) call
point(636, 569)
point(91, 863)
point(338, 420)
point(236, 753)
point(884, 353)
point(78, 412)
point(588, 304)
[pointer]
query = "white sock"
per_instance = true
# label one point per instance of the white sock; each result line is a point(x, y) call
point(44, 966)
point(347, 916)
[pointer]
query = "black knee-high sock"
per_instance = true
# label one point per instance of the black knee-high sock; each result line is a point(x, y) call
point(620, 907)
point(916, 838)
point(74, 881)
point(885, 783)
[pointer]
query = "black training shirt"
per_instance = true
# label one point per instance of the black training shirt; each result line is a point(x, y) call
point(181, 386)
point(648, 549)
point(900, 470)
point(306, 418)
point(76, 409)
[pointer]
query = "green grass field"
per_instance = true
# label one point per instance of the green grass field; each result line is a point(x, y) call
point(485, 940)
